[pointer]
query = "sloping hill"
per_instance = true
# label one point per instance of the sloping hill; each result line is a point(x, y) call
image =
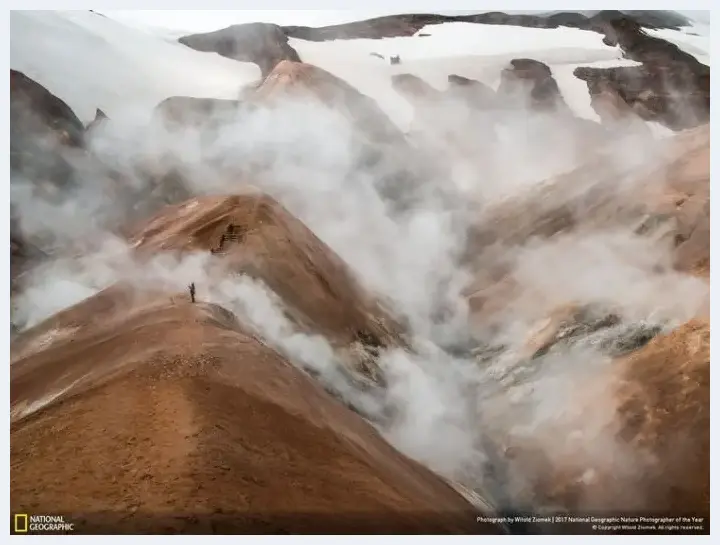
point(656, 455)
point(171, 418)
point(376, 147)
point(253, 234)
point(666, 410)
point(307, 82)
point(665, 185)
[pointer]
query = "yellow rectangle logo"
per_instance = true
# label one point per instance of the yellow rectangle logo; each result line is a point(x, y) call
point(21, 524)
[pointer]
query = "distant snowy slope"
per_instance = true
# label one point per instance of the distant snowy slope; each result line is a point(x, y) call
point(471, 50)
point(91, 62)
point(694, 40)
point(454, 39)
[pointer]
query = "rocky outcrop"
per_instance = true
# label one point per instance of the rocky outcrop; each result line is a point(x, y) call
point(36, 112)
point(461, 92)
point(529, 96)
point(670, 87)
point(474, 93)
point(591, 324)
point(415, 88)
point(468, 126)
point(528, 83)
point(615, 114)
point(51, 159)
point(264, 44)
point(409, 24)
point(44, 135)
point(655, 18)
point(433, 119)
point(42, 127)
point(100, 118)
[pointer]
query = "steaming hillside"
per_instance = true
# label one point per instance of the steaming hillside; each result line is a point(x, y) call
point(433, 275)
point(178, 457)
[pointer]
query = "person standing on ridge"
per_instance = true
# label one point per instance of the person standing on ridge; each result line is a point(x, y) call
point(192, 292)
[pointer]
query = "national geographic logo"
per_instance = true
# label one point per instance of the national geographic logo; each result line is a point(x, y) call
point(40, 524)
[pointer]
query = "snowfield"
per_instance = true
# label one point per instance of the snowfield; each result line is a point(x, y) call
point(694, 40)
point(467, 49)
point(480, 52)
point(459, 39)
point(91, 61)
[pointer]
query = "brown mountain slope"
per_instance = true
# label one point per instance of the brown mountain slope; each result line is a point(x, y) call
point(253, 234)
point(611, 189)
point(666, 410)
point(36, 112)
point(269, 242)
point(308, 82)
point(661, 403)
point(665, 195)
point(685, 198)
point(173, 419)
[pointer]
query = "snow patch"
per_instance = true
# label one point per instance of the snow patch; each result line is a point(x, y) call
point(694, 40)
point(467, 49)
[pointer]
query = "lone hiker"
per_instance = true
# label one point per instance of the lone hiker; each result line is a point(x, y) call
point(192, 292)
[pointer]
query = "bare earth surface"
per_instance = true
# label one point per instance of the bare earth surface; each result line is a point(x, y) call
point(660, 397)
point(672, 197)
point(271, 244)
point(174, 420)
